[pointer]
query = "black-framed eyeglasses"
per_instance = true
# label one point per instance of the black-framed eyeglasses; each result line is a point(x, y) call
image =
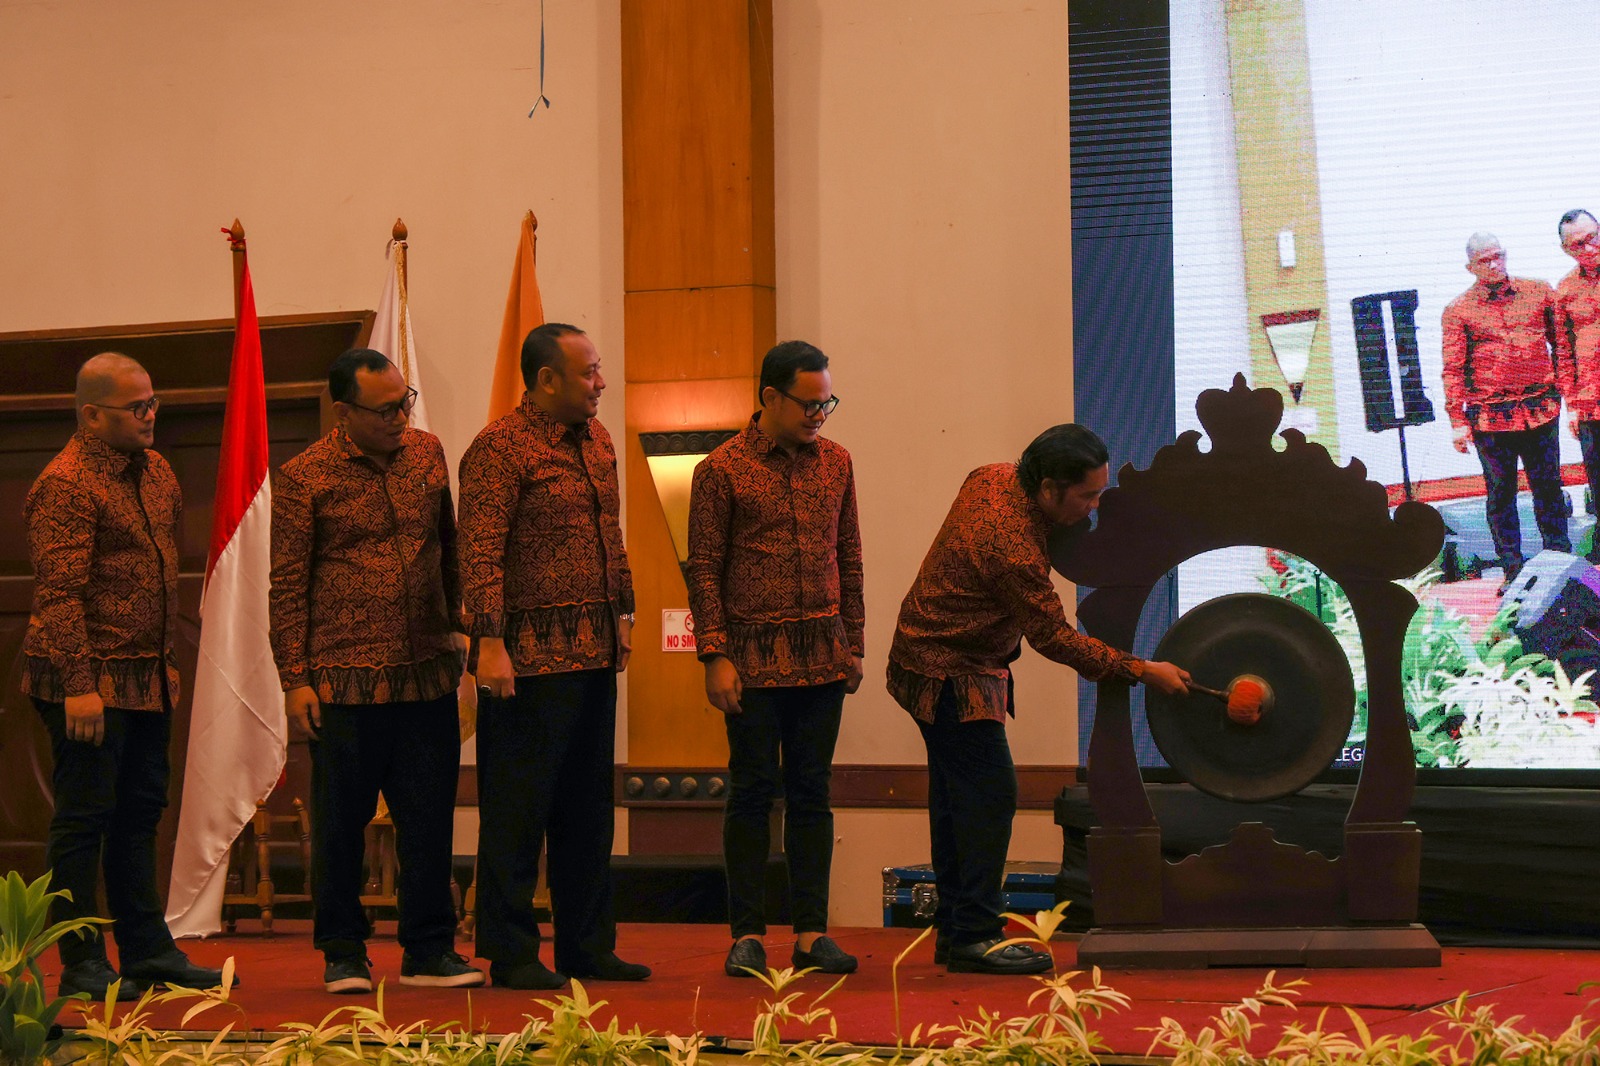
point(812, 408)
point(138, 409)
point(388, 411)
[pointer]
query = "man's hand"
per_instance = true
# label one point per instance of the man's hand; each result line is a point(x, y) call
point(624, 643)
point(1460, 438)
point(852, 680)
point(86, 718)
point(723, 687)
point(304, 710)
point(1173, 680)
point(494, 668)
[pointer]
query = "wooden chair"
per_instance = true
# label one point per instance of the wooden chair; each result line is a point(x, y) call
point(249, 881)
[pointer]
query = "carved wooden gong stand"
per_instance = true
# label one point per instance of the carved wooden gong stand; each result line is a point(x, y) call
point(1255, 900)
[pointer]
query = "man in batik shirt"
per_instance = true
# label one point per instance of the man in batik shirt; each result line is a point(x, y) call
point(365, 610)
point(775, 589)
point(1502, 393)
point(1578, 342)
point(103, 536)
point(983, 587)
point(549, 602)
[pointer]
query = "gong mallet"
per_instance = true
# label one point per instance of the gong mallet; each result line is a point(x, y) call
point(1247, 697)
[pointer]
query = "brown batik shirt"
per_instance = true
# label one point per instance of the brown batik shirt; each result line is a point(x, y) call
point(775, 560)
point(985, 585)
point(1500, 348)
point(542, 562)
point(103, 537)
point(1578, 340)
point(365, 594)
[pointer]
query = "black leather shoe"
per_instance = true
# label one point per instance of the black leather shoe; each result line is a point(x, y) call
point(941, 948)
point(608, 968)
point(746, 954)
point(94, 976)
point(535, 976)
point(825, 956)
point(172, 967)
point(1015, 958)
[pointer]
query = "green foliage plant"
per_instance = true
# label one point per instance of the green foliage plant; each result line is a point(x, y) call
point(27, 1016)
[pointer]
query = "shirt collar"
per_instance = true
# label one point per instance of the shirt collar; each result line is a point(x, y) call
point(763, 445)
point(547, 427)
point(352, 450)
point(104, 457)
point(1505, 292)
point(1038, 521)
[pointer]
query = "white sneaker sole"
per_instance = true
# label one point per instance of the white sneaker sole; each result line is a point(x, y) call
point(346, 986)
point(459, 980)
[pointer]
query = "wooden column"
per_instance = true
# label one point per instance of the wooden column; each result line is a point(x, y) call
point(700, 312)
point(1280, 202)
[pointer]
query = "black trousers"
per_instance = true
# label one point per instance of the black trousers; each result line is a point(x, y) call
point(784, 739)
point(545, 762)
point(410, 751)
point(1540, 453)
point(108, 804)
point(972, 797)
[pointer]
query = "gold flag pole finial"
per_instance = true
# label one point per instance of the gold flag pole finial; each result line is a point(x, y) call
point(235, 234)
point(399, 229)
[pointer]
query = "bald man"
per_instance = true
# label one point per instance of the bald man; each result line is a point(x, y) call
point(1503, 396)
point(102, 524)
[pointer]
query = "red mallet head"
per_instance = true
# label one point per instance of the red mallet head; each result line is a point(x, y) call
point(1248, 697)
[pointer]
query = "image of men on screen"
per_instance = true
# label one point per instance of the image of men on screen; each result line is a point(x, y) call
point(1578, 339)
point(1503, 395)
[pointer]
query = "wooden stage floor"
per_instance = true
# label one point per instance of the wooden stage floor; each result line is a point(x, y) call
point(282, 983)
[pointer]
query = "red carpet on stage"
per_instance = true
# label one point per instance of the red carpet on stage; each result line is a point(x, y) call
point(281, 979)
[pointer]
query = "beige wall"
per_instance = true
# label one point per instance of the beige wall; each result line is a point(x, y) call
point(924, 244)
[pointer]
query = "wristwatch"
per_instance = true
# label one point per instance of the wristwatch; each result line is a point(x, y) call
point(626, 617)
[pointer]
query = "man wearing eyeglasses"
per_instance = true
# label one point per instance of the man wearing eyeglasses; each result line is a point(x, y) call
point(366, 609)
point(1503, 395)
point(775, 588)
point(102, 524)
point(984, 586)
point(549, 600)
point(1578, 342)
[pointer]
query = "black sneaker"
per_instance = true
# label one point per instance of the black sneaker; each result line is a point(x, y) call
point(535, 976)
point(1013, 959)
point(825, 956)
point(608, 968)
point(172, 967)
point(347, 975)
point(444, 970)
point(93, 977)
point(747, 954)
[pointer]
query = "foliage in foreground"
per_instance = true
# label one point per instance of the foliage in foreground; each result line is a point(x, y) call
point(572, 1029)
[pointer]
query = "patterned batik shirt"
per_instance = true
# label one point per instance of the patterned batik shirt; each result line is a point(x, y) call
point(103, 537)
point(775, 560)
point(985, 585)
point(542, 562)
point(1578, 340)
point(365, 594)
point(1499, 357)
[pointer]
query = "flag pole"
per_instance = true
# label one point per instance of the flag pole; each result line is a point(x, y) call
point(400, 234)
point(236, 245)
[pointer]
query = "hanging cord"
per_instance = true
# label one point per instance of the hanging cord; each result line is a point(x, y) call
point(543, 99)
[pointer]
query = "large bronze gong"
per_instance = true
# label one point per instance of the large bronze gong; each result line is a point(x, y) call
point(1253, 899)
point(1301, 729)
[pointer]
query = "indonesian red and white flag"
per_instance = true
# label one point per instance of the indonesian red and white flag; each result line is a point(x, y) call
point(237, 728)
point(391, 329)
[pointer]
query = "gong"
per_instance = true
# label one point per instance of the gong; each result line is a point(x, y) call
point(1306, 715)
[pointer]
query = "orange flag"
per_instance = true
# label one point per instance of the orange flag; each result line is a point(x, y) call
point(524, 311)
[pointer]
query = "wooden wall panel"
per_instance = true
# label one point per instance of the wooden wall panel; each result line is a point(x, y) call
point(699, 334)
point(700, 309)
point(697, 144)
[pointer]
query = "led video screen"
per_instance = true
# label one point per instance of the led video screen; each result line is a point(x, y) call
point(1365, 199)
